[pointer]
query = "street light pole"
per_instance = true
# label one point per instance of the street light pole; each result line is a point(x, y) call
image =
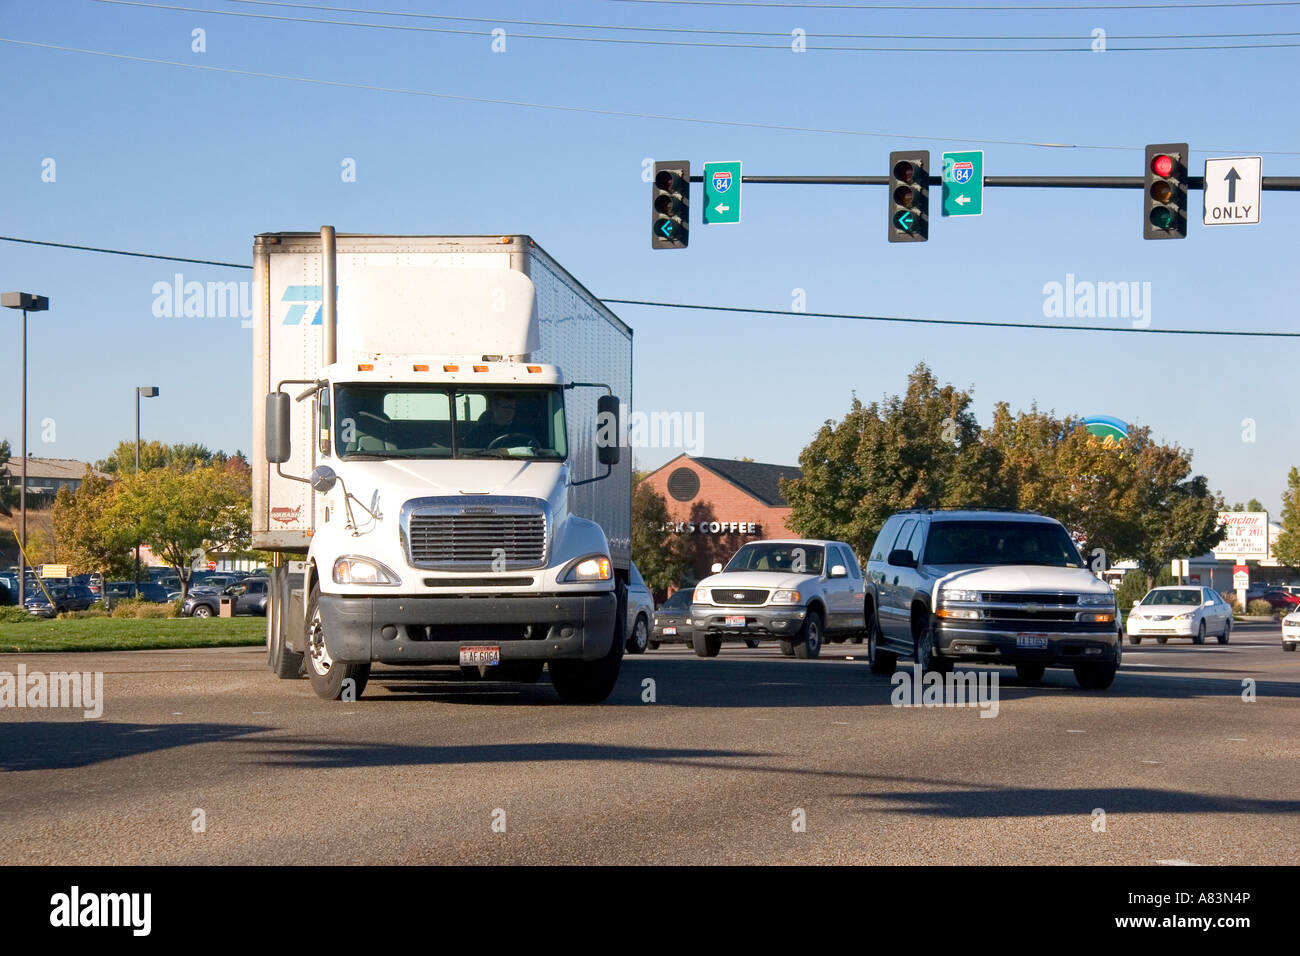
point(28, 303)
point(145, 392)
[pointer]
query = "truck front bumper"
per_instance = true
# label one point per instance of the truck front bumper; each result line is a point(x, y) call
point(1057, 649)
point(432, 630)
point(775, 621)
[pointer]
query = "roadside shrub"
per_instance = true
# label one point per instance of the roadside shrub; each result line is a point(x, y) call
point(95, 610)
point(148, 609)
point(10, 614)
point(136, 608)
point(1259, 607)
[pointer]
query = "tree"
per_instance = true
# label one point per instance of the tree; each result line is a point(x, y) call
point(179, 513)
point(86, 545)
point(1287, 547)
point(155, 454)
point(660, 554)
point(1254, 504)
point(8, 495)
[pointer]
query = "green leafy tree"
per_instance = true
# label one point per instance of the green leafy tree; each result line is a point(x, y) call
point(660, 554)
point(8, 495)
point(86, 545)
point(179, 513)
point(1287, 547)
point(155, 454)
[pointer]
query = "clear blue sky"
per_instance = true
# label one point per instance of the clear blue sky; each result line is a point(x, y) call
point(162, 158)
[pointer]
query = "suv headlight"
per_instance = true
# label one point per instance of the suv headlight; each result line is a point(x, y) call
point(594, 567)
point(1097, 600)
point(957, 595)
point(353, 569)
point(786, 597)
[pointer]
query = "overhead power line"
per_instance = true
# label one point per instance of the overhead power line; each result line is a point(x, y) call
point(1083, 45)
point(596, 111)
point(976, 323)
point(982, 8)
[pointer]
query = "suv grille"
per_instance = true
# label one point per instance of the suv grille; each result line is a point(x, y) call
point(475, 536)
point(999, 597)
point(739, 595)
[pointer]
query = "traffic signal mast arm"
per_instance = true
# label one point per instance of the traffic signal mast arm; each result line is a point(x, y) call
point(1281, 183)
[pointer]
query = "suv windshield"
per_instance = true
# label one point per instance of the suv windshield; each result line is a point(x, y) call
point(427, 421)
point(787, 558)
point(1001, 542)
point(677, 601)
point(1186, 596)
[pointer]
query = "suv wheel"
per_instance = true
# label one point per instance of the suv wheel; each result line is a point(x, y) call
point(1029, 673)
point(1099, 676)
point(882, 662)
point(923, 653)
point(640, 636)
point(201, 610)
point(809, 643)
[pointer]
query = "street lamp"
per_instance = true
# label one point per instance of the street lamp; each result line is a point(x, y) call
point(28, 303)
point(143, 391)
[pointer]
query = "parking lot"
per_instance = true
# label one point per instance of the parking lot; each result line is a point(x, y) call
point(201, 756)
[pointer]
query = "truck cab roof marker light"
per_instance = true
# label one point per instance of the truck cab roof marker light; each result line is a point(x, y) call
point(365, 367)
point(451, 368)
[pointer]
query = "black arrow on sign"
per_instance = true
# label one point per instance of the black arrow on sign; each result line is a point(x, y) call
point(1232, 178)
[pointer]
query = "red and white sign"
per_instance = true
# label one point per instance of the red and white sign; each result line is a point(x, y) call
point(1240, 577)
point(1247, 535)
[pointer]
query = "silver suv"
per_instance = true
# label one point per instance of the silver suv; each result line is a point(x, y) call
point(989, 587)
point(794, 591)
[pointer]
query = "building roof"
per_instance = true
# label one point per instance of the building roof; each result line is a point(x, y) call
point(754, 477)
point(48, 468)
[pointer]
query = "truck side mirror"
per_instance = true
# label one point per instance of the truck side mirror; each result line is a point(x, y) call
point(323, 479)
point(607, 430)
point(716, 568)
point(839, 571)
point(277, 427)
point(901, 558)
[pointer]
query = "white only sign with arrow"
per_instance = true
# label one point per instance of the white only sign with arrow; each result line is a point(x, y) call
point(1232, 191)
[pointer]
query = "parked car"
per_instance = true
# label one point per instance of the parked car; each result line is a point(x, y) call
point(672, 621)
point(115, 591)
point(70, 597)
point(8, 588)
point(640, 612)
point(991, 587)
point(794, 591)
point(1279, 600)
point(1291, 631)
point(247, 597)
point(93, 581)
point(1174, 611)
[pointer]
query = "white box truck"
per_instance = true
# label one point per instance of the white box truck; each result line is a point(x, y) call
point(438, 463)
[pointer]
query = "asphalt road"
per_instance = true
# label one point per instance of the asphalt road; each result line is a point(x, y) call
point(721, 768)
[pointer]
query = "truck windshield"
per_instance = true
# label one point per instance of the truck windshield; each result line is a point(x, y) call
point(797, 558)
point(428, 421)
point(1001, 542)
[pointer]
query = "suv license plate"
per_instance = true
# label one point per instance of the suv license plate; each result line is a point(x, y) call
point(1036, 641)
point(735, 620)
point(483, 656)
point(670, 631)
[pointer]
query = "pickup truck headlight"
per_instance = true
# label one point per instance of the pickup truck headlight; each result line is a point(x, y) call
point(701, 596)
point(1097, 600)
point(594, 567)
point(786, 597)
point(353, 569)
point(947, 595)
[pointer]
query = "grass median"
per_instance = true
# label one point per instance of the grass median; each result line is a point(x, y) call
point(129, 634)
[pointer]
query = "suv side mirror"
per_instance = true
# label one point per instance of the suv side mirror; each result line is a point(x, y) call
point(839, 571)
point(901, 558)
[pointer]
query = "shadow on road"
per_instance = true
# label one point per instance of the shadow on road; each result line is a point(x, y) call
point(59, 745)
point(1049, 802)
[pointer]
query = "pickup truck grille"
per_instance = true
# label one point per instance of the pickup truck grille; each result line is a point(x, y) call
point(739, 595)
point(476, 535)
point(1004, 597)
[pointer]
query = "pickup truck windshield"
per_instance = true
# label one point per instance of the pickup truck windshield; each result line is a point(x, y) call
point(1001, 542)
point(786, 558)
point(429, 421)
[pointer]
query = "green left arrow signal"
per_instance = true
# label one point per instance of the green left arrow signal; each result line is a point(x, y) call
point(905, 220)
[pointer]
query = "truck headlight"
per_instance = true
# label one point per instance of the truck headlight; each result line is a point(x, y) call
point(1097, 600)
point(594, 567)
point(701, 596)
point(786, 597)
point(353, 569)
point(969, 597)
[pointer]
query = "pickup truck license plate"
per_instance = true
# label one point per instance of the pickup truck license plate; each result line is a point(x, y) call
point(1036, 641)
point(669, 631)
point(482, 656)
point(735, 620)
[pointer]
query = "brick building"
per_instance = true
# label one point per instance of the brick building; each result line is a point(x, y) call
point(720, 503)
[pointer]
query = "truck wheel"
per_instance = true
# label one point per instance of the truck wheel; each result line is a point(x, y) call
point(330, 679)
point(1095, 676)
point(284, 663)
point(882, 662)
point(787, 648)
point(653, 645)
point(1030, 673)
point(516, 672)
point(809, 643)
point(1227, 632)
point(636, 644)
point(706, 644)
point(590, 682)
point(751, 644)
point(1200, 634)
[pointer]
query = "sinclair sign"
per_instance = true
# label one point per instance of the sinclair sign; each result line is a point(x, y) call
point(1247, 535)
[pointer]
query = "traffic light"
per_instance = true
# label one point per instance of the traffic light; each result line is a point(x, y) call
point(909, 196)
point(1166, 192)
point(671, 196)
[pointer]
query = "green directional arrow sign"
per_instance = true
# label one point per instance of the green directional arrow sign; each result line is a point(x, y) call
point(721, 193)
point(963, 183)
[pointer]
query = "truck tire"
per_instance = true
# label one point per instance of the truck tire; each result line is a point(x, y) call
point(751, 644)
point(881, 662)
point(284, 663)
point(787, 648)
point(706, 644)
point(1099, 676)
point(330, 679)
point(590, 682)
point(809, 643)
point(652, 645)
point(1030, 673)
point(640, 637)
point(516, 672)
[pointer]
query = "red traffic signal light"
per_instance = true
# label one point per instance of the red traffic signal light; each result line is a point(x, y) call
point(1165, 193)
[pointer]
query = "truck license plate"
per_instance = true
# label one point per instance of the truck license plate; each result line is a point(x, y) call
point(482, 656)
point(735, 620)
point(670, 631)
point(1036, 641)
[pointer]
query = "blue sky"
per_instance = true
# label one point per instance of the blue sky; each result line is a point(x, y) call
point(161, 158)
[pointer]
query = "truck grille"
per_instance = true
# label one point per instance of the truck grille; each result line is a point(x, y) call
point(1029, 597)
point(475, 535)
point(739, 595)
